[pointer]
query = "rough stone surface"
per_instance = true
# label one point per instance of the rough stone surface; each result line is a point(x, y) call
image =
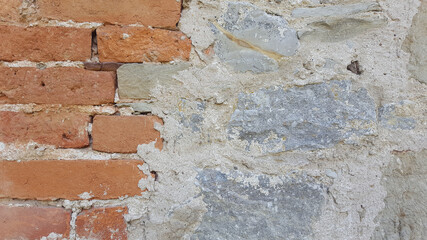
point(333, 30)
point(159, 13)
point(33, 222)
point(137, 80)
point(73, 180)
point(61, 129)
point(249, 36)
point(124, 133)
point(56, 86)
point(141, 44)
point(397, 115)
point(9, 10)
point(102, 223)
point(416, 44)
point(405, 212)
point(256, 207)
point(336, 10)
point(45, 43)
point(309, 117)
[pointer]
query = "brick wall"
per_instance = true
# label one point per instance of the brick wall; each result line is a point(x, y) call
point(58, 87)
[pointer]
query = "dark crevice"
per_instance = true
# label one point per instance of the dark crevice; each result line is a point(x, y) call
point(94, 47)
point(154, 174)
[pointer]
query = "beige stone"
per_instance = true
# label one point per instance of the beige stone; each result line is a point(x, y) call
point(416, 44)
point(137, 80)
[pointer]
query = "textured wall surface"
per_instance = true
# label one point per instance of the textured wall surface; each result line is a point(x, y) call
point(213, 119)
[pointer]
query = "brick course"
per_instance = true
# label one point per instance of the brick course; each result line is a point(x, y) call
point(9, 10)
point(56, 86)
point(159, 13)
point(123, 134)
point(69, 179)
point(61, 129)
point(44, 43)
point(102, 223)
point(33, 222)
point(141, 44)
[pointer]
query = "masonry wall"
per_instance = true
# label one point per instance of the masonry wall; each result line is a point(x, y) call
point(203, 119)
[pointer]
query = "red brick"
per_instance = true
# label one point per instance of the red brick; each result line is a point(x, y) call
point(33, 222)
point(141, 44)
point(102, 223)
point(123, 134)
point(61, 129)
point(67, 179)
point(9, 10)
point(158, 13)
point(44, 43)
point(56, 86)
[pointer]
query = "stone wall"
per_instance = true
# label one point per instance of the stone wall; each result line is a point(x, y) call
point(213, 119)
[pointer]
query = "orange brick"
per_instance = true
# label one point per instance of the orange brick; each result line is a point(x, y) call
point(9, 10)
point(68, 179)
point(44, 43)
point(141, 44)
point(61, 129)
point(33, 222)
point(158, 13)
point(56, 86)
point(102, 223)
point(123, 134)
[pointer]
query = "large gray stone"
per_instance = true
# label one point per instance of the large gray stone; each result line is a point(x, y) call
point(281, 209)
point(393, 116)
point(249, 39)
point(336, 10)
point(416, 44)
point(309, 117)
point(405, 213)
point(137, 80)
point(333, 30)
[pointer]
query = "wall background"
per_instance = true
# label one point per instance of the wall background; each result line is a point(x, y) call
point(293, 119)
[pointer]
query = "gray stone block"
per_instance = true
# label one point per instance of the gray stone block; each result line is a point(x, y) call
point(249, 39)
point(309, 117)
point(281, 209)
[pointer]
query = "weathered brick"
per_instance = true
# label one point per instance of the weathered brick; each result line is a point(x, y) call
point(159, 13)
point(102, 223)
point(123, 134)
point(33, 222)
point(70, 179)
point(61, 129)
point(56, 86)
point(141, 44)
point(9, 10)
point(44, 43)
